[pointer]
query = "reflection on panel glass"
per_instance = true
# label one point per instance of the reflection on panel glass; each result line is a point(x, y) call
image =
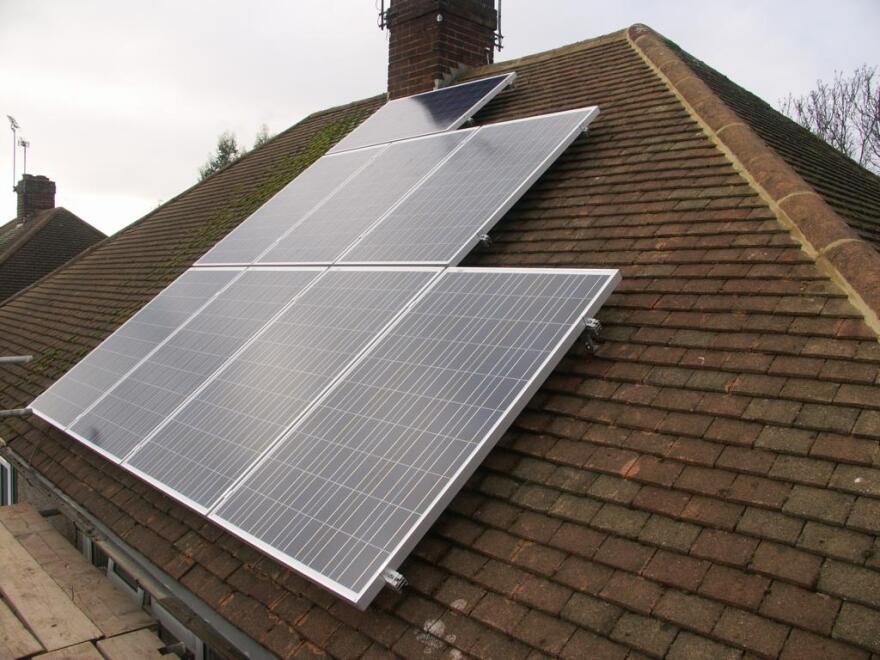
point(156, 387)
point(93, 375)
point(218, 434)
point(422, 114)
point(327, 232)
point(283, 211)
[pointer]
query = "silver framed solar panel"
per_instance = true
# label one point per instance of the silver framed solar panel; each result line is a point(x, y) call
point(530, 356)
point(436, 111)
point(367, 196)
point(138, 403)
point(42, 404)
point(289, 207)
point(411, 283)
point(441, 220)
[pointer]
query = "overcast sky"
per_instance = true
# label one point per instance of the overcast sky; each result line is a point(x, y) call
point(123, 101)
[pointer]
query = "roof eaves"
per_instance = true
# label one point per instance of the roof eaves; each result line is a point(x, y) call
point(851, 262)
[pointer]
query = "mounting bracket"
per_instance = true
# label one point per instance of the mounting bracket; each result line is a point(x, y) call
point(592, 328)
point(394, 579)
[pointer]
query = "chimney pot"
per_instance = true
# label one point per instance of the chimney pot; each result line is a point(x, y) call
point(35, 193)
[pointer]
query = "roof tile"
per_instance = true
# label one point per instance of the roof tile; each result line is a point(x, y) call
point(751, 632)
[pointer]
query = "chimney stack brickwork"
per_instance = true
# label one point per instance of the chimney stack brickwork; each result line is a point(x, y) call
point(429, 39)
point(35, 193)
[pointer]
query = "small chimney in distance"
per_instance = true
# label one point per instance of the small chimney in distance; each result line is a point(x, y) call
point(35, 193)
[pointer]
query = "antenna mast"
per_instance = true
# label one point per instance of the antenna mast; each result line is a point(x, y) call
point(24, 144)
point(14, 126)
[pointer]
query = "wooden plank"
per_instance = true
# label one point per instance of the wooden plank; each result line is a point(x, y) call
point(38, 601)
point(15, 640)
point(138, 645)
point(84, 651)
point(49, 546)
point(23, 518)
point(111, 610)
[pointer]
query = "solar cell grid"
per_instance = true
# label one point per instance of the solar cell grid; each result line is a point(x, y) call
point(210, 441)
point(245, 243)
point(431, 112)
point(359, 478)
point(147, 395)
point(441, 220)
point(93, 375)
point(326, 233)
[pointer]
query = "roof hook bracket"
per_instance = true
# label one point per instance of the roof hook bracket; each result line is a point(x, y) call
point(592, 328)
point(16, 359)
point(394, 579)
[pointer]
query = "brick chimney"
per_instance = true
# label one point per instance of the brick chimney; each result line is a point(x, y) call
point(429, 39)
point(35, 193)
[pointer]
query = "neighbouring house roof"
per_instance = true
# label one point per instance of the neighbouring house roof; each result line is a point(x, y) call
point(708, 483)
point(35, 247)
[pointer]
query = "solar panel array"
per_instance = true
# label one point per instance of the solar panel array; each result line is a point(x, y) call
point(424, 200)
point(431, 112)
point(326, 413)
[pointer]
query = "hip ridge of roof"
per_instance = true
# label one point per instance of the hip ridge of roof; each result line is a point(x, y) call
point(851, 262)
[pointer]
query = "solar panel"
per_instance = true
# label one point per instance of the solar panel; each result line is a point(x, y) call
point(245, 243)
point(431, 112)
point(327, 232)
point(203, 448)
point(360, 478)
point(134, 340)
point(148, 394)
point(442, 220)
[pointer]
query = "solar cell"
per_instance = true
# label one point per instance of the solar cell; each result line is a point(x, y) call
point(431, 112)
point(245, 243)
point(365, 198)
point(443, 218)
point(203, 448)
point(150, 392)
point(99, 370)
point(356, 483)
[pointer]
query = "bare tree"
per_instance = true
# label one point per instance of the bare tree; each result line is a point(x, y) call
point(845, 113)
